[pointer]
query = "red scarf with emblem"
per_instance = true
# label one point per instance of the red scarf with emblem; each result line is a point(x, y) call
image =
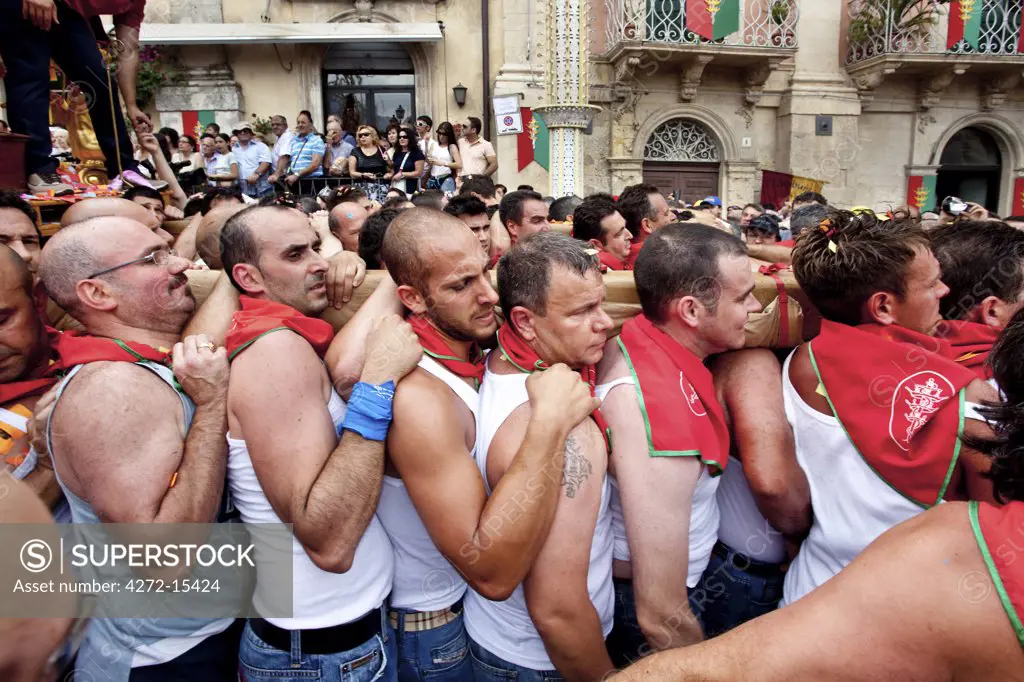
point(517, 351)
point(997, 530)
point(678, 396)
point(436, 347)
point(634, 251)
point(896, 393)
point(260, 316)
point(970, 344)
point(610, 262)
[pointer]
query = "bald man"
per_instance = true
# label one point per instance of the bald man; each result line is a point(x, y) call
point(114, 206)
point(345, 222)
point(30, 648)
point(160, 434)
point(445, 528)
point(208, 236)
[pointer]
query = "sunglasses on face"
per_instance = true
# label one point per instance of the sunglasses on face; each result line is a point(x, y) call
point(364, 134)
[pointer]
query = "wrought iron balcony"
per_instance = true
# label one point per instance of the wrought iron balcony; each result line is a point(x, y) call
point(920, 40)
point(662, 23)
point(922, 27)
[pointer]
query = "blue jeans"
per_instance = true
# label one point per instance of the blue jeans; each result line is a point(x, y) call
point(489, 668)
point(627, 643)
point(736, 589)
point(438, 654)
point(371, 661)
point(26, 51)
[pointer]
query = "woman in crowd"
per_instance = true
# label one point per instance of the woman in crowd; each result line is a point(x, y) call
point(222, 169)
point(186, 158)
point(445, 160)
point(368, 165)
point(391, 134)
point(408, 162)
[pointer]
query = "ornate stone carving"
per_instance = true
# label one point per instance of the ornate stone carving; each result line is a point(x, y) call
point(994, 91)
point(625, 68)
point(681, 139)
point(364, 10)
point(691, 75)
point(932, 89)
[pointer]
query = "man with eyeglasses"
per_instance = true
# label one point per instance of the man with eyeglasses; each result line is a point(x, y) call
point(145, 412)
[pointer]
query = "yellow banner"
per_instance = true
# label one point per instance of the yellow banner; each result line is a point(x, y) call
point(801, 185)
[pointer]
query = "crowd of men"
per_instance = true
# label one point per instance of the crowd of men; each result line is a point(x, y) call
point(585, 497)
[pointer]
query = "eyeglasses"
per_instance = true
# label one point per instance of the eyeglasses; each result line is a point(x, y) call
point(158, 258)
point(363, 135)
point(403, 137)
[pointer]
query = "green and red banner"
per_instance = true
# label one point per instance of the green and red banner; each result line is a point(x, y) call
point(532, 143)
point(964, 23)
point(713, 19)
point(195, 122)
point(921, 192)
point(1018, 197)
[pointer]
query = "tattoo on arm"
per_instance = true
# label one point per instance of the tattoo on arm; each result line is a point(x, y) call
point(577, 468)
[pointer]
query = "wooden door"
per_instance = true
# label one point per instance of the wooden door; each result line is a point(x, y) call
point(685, 181)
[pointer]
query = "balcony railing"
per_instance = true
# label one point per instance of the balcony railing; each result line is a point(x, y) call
point(763, 23)
point(921, 27)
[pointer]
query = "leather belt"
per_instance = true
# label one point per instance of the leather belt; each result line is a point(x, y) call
point(418, 621)
point(331, 640)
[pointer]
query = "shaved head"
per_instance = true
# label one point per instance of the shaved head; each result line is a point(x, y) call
point(208, 235)
point(415, 240)
point(115, 207)
point(345, 222)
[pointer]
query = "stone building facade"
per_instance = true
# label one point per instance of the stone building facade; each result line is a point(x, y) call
point(844, 91)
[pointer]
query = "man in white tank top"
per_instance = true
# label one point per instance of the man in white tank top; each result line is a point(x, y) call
point(119, 279)
point(445, 529)
point(555, 623)
point(764, 499)
point(670, 439)
point(983, 265)
point(298, 455)
point(879, 408)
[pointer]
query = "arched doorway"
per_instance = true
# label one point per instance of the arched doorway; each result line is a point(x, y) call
point(971, 167)
point(369, 83)
point(682, 158)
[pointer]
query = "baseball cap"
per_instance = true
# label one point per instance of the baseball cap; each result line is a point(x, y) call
point(713, 200)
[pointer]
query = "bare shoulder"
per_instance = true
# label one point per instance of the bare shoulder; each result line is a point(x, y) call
point(422, 398)
point(281, 358)
point(613, 365)
point(102, 389)
point(979, 391)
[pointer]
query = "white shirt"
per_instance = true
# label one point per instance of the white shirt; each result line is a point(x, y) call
point(283, 146)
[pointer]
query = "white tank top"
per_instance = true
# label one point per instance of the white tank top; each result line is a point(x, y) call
point(743, 528)
point(704, 515)
point(504, 628)
point(424, 579)
point(852, 504)
point(319, 598)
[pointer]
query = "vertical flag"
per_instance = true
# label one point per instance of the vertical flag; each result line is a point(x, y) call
point(195, 122)
point(775, 188)
point(713, 19)
point(921, 191)
point(964, 23)
point(532, 143)
point(1018, 197)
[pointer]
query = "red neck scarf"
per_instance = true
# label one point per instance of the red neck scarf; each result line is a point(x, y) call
point(995, 528)
point(895, 391)
point(970, 343)
point(260, 316)
point(516, 350)
point(436, 347)
point(74, 349)
point(611, 262)
point(684, 414)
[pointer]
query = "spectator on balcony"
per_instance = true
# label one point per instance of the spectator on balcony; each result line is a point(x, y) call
point(444, 159)
point(186, 159)
point(221, 166)
point(212, 129)
point(408, 162)
point(368, 164)
point(284, 135)
point(253, 163)
point(305, 158)
point(338, 150)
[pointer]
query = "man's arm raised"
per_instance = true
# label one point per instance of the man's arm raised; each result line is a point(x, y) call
point(657, 498)
point(173, 477)
point(328, 488)
point(494, 540)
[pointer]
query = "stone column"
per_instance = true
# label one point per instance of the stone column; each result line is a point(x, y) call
point(567, 113)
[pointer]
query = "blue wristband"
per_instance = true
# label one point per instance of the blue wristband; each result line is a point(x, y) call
point(369, 410)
